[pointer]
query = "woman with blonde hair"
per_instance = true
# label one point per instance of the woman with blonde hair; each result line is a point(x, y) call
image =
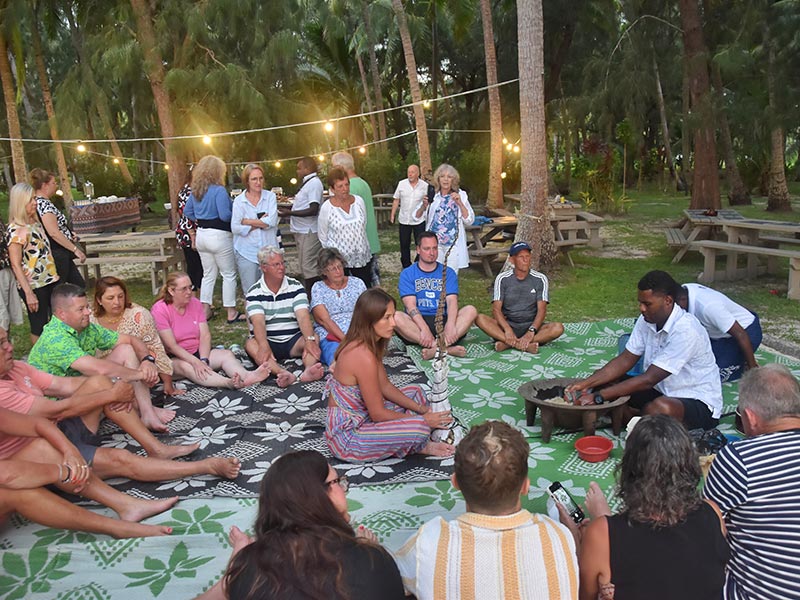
point(30, 256)
point(210, 206)
point(185, 334)
point(254, 224)
point(449, 212)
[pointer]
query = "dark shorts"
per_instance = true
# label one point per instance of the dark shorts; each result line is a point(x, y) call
point(521, 329)
point(696, 414)
point(431, 321)
point(84, 440)
point(282, 350)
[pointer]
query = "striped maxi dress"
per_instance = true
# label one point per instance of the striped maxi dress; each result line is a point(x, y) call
point(354, 437)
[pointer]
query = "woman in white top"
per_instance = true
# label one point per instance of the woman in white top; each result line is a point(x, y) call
point(254, 224)
point(343, 225)
point(449, 212)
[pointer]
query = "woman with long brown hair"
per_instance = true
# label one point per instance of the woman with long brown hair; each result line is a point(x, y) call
point(368, 417)
point(304, 545)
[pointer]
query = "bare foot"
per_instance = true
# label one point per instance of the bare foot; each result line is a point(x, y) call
point(459, 351)
point(238, 539)
point(226, 467)
point(428, 353)
point(236, 381)
point(165, 415)
point(500, 346)
point(125, 529)
point(285, 378)
point(533, 348)
point(312, 373)
point(168, 452)
point(175, 392)
point(438, 449)
point(596, 502)
point(153, 423)
point(260, 374)
point(137, 509)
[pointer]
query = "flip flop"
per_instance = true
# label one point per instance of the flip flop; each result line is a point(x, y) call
point(239, 318)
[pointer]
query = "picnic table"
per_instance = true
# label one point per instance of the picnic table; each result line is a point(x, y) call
point(95, 217)
point(157, 248)
point(756, 240)
point(698, 225)
point(481, 235)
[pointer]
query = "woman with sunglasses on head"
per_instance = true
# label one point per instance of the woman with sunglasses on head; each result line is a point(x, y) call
point(303, 545)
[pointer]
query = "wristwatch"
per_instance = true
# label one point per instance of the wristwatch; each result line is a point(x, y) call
point(598, 399)
point(149, 358)
point(532, 329)
point(311, 338)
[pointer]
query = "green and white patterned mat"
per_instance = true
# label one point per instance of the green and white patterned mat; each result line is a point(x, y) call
point(42, 563)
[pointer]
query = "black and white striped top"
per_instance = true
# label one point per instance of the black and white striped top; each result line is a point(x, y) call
point(756, 483)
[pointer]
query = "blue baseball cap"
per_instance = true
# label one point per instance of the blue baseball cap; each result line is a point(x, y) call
point(518, 247)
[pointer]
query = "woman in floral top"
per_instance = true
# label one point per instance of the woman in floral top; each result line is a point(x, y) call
point(31, 259)
point(63, 242)
point(185, 233)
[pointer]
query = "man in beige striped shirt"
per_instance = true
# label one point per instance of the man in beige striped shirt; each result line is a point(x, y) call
point(496, 549)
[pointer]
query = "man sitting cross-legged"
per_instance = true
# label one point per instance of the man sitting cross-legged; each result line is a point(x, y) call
point(519, 306)
point(84, 401)
point(420, 288)
point(496, 549)
point(33, 454)
point(68, 344)
point(277, 307)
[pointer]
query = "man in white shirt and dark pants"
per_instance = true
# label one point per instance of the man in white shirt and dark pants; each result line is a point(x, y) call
point(735, 332)
point(680, 375)
point(409, 196)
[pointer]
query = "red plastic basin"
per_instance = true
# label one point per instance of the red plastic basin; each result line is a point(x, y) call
point(594, 448)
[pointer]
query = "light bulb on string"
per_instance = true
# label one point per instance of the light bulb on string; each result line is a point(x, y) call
point(207, 140)
point(509, 146)
point(503, 175)
point(321, 158)
point(516, 149)
point(277, 164)
point(426, 104)
point(81, 147)
point(505, 141)
point(328, 126)
point(116, 160)
point(166, 167)
point(362, 150)
point(293, 181)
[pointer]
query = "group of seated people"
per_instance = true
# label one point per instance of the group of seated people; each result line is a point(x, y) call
point(734, 539)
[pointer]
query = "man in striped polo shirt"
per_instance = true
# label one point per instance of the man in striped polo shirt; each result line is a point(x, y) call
point(756, 483)
point(280, 321)
point(496, 549)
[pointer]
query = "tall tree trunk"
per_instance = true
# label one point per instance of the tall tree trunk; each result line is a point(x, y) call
point(738, 194)
point(495, 199)
point(413, 84)
point(705, 182)
point(154, 66)
point(662, 113)
point(778, 194)
point(534, 223)
point(686, 135)
point(98, 96)
point(61, 162)
point(14, 129)
point(367, 97)
point(375, 72)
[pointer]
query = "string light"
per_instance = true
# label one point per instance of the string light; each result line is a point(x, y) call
point(505, 141)
point(81, 148)
point(503, 175)
point(321, 158)
point(166, 167)
point(426, 104)
point(328, 126)
point(207, 140)
point(277, 164)
point(116, 160)
point(362, 150)
point(516, 149)
point(509, 146)
point(293, 181)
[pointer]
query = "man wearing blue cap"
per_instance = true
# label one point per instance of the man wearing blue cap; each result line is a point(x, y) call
point(519, 306)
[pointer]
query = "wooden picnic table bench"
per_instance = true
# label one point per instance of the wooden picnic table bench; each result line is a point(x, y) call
point(161, 266)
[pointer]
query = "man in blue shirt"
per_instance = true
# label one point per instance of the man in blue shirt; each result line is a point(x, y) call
point(420, 288)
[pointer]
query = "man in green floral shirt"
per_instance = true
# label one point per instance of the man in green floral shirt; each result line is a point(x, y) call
point(69, 342)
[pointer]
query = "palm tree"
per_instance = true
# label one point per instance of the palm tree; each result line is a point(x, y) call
point(10, 97)
point(495, 195)
point(413, 82)
point(534, 225)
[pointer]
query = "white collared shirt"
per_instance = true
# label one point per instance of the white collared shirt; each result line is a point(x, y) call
point(683, 349)
point(715, 311)
point(411, 198)
point(308, 194)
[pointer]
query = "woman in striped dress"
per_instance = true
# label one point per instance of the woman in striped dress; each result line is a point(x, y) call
point(370, 419)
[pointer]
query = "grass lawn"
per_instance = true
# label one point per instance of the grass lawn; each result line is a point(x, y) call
point(601, 285)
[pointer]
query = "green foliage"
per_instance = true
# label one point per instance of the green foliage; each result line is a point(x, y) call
point(597, 181)
point(473, 166)
point(382, 169)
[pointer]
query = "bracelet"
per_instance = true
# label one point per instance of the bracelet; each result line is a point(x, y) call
point(205, 360)
point(69, 474)
point(60, 472)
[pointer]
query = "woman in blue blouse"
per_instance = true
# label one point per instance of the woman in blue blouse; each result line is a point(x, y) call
point(254, 224)
point(210, 206)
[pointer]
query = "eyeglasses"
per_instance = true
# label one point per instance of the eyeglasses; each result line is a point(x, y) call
point(184, 288)
point(334, 267)
point(341, 480)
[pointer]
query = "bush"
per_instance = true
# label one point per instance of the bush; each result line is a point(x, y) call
point(473, 166)
point(381, 169)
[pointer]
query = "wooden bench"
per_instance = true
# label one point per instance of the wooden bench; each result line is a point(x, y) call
point(675, 238)
point(486, 255)
point(776, 240)
point(382, 215)
point(160, 265)
point(594, 227)
point(710, 249)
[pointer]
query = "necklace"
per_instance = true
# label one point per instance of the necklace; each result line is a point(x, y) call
point(111, 320)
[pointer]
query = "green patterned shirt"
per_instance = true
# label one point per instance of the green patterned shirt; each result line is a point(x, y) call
point(60, 345)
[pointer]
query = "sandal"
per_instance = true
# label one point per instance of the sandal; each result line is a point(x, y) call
point(239, 318)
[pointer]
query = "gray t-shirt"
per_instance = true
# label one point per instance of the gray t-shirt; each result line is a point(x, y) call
point(520, 298)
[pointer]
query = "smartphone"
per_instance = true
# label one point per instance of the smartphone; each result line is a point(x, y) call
point(260, 215)
point(561, 495)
